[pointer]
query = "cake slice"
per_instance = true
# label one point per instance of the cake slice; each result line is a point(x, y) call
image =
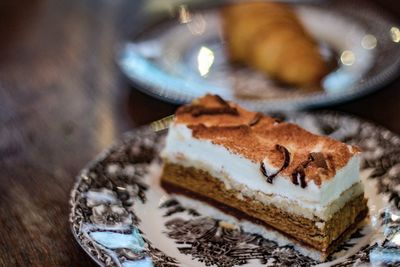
point(273, 177)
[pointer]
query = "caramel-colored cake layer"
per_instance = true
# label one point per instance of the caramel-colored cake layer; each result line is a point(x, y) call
point(258, 137)
point(200, 183)
point(323, 255)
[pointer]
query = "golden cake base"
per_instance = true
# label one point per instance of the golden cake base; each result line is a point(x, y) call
point(200, 185)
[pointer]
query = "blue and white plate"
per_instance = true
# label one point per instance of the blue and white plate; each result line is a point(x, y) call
point(121, 216)
point(178, 54)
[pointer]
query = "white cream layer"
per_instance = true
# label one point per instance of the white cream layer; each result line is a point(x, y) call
point(182, 148)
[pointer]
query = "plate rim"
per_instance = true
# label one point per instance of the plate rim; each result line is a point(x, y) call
point(122, 140)
point(374, 83)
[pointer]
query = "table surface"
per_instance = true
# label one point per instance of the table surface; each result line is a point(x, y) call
point(63, 100)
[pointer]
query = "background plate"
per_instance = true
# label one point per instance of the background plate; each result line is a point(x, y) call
point(180, 58)
point(121, 217)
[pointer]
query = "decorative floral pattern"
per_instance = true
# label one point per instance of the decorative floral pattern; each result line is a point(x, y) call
point(206, 240)
point(106, 224)
point(106, 214)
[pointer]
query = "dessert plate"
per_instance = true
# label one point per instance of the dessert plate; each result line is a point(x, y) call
point(180, 58)
point(121, 217)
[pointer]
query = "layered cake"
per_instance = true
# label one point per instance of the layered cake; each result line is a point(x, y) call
point(270, 177)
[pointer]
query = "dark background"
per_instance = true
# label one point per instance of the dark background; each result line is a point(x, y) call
point(63, 100)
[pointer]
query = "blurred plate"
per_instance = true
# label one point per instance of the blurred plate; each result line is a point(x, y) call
point(122, 217)
point(180, 54)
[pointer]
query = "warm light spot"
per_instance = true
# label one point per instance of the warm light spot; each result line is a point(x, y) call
point(395, 34)
point(205, 59)
point(184, 14)
point(162, 201)
point(369, 41)
point(396, 239)
point(394, 217)
point(347, 58)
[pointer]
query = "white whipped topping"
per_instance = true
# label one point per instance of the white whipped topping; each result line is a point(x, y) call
point(182, 148)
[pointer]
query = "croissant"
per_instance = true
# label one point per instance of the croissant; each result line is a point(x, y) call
point(270, 38)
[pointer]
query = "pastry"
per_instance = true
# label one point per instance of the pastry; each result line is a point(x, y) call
point(270, 38)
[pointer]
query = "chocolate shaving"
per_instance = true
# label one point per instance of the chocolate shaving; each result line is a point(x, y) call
point(319, 160)
point(221, 101)
point(295, 174)
point(286, 161)
point(264, 172)
point(197, 110)
point(286, 156)
point(299, 174)
point(316, 158)
point(256, 119)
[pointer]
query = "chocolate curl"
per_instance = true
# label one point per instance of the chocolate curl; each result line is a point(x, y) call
point(299, 174)
point(256, 119)
point(286, 161)
point(316, 158)
point(197, 110)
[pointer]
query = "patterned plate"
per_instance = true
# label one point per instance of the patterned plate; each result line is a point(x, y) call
point(121, 217)
point(180, 58)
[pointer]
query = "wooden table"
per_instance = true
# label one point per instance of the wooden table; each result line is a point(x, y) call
point(62, 101)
